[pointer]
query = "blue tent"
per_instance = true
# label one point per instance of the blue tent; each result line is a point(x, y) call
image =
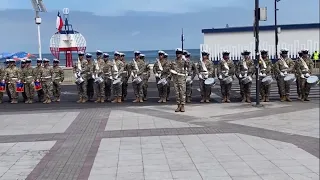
point(5, 55)
point(17, 56)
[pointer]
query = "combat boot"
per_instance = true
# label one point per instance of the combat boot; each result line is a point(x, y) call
point(243, 98)
point(202, 100)
point(288, 98)
point(48, 101)
point(26, 101)
point(0, 101)
point(224, 99)
point(228, 99)
point(248, 98)
point(119, 100)
point(160, 100)
point(207, 100)
point(306, 98)
point(167, 99)
point(182, 108)
point(58, 99)
point(45, 101)
point(30, 101)
point(115, 100)
point(101, 100)
point(136, 100)
point(299, 97)
point(283, 98)
point(188, 100)
point(84, 100)
point(54, 99)
point(164, 100)
point(80, 100)
point(266, 99)
point(98, 100)
point(178, 108)
point(145, 99)
point(141, 100)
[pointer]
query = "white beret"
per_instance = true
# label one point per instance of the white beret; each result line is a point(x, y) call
point(284, 49)
point(12, 60)
point(204, 52)
point(39, 59)
point(23, 60)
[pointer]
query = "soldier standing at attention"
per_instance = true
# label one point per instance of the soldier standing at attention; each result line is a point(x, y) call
point(145, 79)
point(36, 73)
point(304, 69)
point(2, 72)
point(225, 69)
point(28, 79)
point(90, 77)
point(191, 73)
point(245, 68)
point(46, 80)
point(12, 76)
point(117, 72)
point(7, 89)
point(125, 77)
point(137, 69)
point(99, 63)
point(296, 64)
point(107, 77)
point(282, 67)
point(81, 70)
point(168, 79)
point(265, 70)
point(161, 69)
point(58, 77)
point(22, 67)
point(205, 70)
point(180, 67)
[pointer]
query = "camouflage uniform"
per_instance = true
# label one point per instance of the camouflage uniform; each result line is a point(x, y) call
point(7, 85)
point(162, 89)
point(36, 73)
point(2, 72)
point(99, 86)
point(191, 72)
point(12, 76)
point(58, 78)
point(117, 88)
point(241, 72)
point(82, 88)
point(23, 66)
point(301, 72)
point(28, 79)
point(204, 89)
point(137, 88)
point(169, 82)
point(90, 80)
point(284, 87)
point(265, 88)
point(146, 76)
point(45, 76)
point(125, 79)
point(107, 78)
point(224, 72)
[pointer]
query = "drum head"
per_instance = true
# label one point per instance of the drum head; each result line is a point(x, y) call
point(312, 79)
point(289, 77)
point(209, 81)
point(117, 81)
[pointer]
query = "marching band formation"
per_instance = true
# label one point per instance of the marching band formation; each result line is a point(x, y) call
point(106, 78)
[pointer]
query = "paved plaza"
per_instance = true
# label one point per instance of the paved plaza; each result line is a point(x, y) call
point(279, 141)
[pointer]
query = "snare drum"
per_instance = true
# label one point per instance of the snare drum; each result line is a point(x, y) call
point(117, 81)
point(189, 80)
point(209, 82)
point(247, 80)
point(290, 78)
point(312, 80)
point(267, 80)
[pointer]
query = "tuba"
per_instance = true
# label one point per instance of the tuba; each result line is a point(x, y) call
point(135, 78)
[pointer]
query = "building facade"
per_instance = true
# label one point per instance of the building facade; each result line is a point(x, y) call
point(293, 37)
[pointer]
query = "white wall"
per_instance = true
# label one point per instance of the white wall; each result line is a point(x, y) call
point(293, 40)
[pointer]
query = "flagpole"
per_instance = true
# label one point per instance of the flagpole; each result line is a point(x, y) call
point(39, 34)
point(182, 39)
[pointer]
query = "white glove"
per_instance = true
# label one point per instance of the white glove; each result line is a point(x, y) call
point(302, 76)
point(60, 82)
point(245, 75)
point(93, 76)
point(307, 75)
point(200, 76)
point(18, 81)
point(3, 80)
point(75, 75)
point(260, 74)
point(220, 76)
point(240, 76)
point(264, 75)
point(285, 73)
point(281, 74)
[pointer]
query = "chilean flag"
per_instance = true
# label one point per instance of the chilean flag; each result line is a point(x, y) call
point(2, 86)
point(19, 87)
point(59, 23)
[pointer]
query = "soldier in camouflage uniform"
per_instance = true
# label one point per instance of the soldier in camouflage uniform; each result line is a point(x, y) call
point(225, 69)
point(45, 76)
point(23, 65)
point(265, 66)
point(137, 72)
point(12, 76)
point(7, 89)
point(162, 72)
point(81, 69)
point(192, 73)
point(117, 72)
point(146, 76)
point(28, 79)
point(180, 66)
point(36, 73)
point(168, 79)
point(125, 76)
point(205, 69)
point(2, 72)
point(99, 91)
point(304, 67)
point(297, 76)
point(58, 78)
point(282, 67)
point(244, 68)
point(107, 77)
point(90, 76)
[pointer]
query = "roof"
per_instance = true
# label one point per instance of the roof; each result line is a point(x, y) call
point(262, 28)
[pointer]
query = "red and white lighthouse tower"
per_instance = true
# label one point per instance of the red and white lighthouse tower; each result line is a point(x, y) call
point(66, 40)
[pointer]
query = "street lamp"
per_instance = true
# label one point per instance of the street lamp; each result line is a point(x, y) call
point(276, 31)
point(38, 7)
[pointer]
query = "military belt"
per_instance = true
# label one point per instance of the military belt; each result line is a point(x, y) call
point(29, 76)
point(47, 77)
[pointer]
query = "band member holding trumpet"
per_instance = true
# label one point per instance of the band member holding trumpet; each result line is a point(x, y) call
point(191, 74)
point(36, 73)
point(98, 76)
point(283, 67)
point(225, 73)
point(146, 76)
point(45, 77)
point(28, 79)
point(58, 78)
point(265, 72)
point(117, 74)
point(161, 69)
point(244, 72)
point(137, 69)
point(178, 69)
point(107, 76)
point(12, 76)
point(80, 71)
point(304, 67)
point(205, 70)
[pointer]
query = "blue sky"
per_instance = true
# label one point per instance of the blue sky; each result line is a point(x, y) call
point(140, 24)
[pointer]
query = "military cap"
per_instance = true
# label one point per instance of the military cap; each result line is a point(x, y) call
point(188, 54)
point(39, 60)
point(23, 61)
point(116, 53)
point(179, 51)
point(245, 52)
point(142, 55)
point(165, 55)
point(284, 51)
point(56, 60)
point(105, 55)
point(28, 60)
point(12, 60)
point(225, 53)
point(264, 52)
point(305, 51)
point(122, 54)
point(300, 53)
point(137, 52)
point(161, 52)
point(88, 55)
point(46, 60)
point(81, 53)
point(205, 53)
point(185, 52)
point(98, 52)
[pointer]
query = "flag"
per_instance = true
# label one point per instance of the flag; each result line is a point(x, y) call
point(37, 86)
point(2, 86)
point(59, 22)
point(19, 87)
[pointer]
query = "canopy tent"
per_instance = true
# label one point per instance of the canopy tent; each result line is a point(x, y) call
point(17, 56)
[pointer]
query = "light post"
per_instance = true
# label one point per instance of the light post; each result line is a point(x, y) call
point(276, 31)
point(38, 7)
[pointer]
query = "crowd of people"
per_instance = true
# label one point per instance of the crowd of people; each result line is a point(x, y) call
point(106, 79)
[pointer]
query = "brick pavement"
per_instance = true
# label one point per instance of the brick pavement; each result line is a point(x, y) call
point(76, 151)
